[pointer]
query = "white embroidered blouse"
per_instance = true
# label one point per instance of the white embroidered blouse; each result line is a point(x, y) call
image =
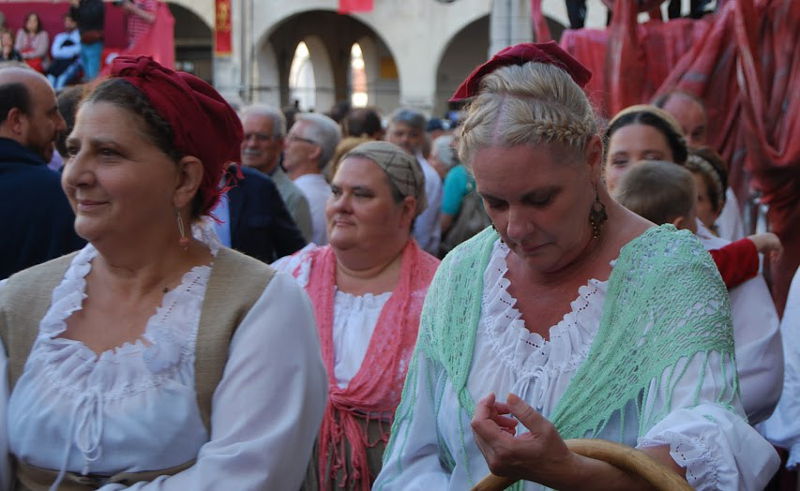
point(783, 427)
point(509, 358)
point(354, 318)
point(134, 408)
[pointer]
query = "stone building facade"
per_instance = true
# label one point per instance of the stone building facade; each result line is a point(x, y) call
point(413, 52)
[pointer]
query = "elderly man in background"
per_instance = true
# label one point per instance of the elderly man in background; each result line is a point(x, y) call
point(264, 129)
point(691, 114)
point(407, 130)
point(37, 219)
point(310, 145)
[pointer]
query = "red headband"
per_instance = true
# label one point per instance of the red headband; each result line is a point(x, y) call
point(203, 124)
point(520, 54)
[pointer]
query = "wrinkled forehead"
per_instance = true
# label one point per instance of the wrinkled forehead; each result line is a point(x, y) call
point(260, 122)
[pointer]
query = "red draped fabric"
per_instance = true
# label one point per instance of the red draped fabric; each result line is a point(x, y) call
point(159, 41)
point(742, 62)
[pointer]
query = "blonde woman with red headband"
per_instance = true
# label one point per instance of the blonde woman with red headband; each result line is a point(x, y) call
point(573, 318)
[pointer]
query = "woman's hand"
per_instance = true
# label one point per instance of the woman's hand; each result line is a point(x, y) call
point(540, 455)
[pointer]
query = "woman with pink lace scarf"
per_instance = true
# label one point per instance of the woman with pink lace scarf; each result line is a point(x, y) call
point(367, 287)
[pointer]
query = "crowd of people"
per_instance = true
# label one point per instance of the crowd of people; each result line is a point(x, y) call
point(377, 302)
point(75, 54)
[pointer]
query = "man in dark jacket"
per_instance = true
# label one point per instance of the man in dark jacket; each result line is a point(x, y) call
point(36, 218)
point(90, 16)
point(258, 223)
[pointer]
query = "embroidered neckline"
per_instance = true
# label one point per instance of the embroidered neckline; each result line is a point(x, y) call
point(69, 295)
point(529, 354)
point(169, 335)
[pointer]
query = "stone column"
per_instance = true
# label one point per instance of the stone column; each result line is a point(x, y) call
point(229, 78)
point(509, 24)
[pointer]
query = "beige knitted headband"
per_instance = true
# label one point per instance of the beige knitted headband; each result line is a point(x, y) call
point(403, 169)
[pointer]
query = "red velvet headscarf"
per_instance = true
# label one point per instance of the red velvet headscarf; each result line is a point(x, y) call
point(520, 54)
point(203, 124)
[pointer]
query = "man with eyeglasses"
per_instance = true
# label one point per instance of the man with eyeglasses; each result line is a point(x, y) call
point(264, 130)
point(310, 145)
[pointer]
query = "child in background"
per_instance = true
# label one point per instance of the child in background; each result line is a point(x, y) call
point(711, 182)
point(663, 192)
point(7, 51)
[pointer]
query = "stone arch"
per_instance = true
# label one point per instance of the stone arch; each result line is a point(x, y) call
point(382, 82)
point(204, 10)
point(193, 40)
point(325, 92)
point(331, 39)
point(266, 86)
point(464, 51)
point(470, 46)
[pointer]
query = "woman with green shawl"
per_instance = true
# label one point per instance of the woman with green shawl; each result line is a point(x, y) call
point(585, 320)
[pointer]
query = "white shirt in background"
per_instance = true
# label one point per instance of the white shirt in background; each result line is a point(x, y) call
point(729, 223)
point(317, 191)
point(783, 427)
point(427, 229)
point(757, 338)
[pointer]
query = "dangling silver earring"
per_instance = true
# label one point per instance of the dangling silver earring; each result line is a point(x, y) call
point(184, 240)
point(597, 215)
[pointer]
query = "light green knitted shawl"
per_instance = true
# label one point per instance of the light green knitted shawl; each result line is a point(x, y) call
point(665, 302)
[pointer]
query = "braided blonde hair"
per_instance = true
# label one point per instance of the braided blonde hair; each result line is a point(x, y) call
point(529, 104)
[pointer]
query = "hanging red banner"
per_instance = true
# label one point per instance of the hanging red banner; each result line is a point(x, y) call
point(350, 6)
point(223, 44)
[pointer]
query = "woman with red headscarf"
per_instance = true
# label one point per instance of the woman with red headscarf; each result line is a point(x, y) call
point(152, 357)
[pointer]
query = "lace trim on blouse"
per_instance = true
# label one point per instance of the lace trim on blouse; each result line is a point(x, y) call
point(298, 264)
point(168, 339)
point(528, 354)
point(692, 454)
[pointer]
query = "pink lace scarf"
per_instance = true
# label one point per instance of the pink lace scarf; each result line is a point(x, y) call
point(378, 384)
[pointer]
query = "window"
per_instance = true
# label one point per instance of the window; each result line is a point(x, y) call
point(302, 87)
point(358, 77)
